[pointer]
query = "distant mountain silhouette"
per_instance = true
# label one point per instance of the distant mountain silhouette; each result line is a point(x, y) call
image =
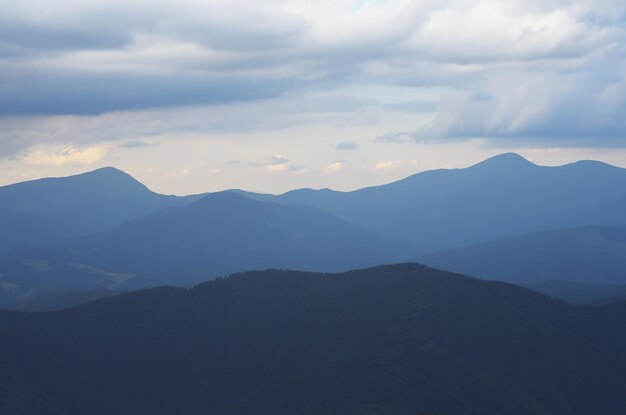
point(503, 163)
point(97, 200)
point(500, 197)
point(395, 340)
point(219, 234)
point(134, 238)
point(591, 254)
point(503, 196)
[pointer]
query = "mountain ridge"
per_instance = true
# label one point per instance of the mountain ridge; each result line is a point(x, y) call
point(94, 201)
point(499, 197)
point(400, 339)
point(216, 235)
point(587, 254)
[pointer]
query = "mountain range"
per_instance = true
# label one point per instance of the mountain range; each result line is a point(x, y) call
point(92, 201)
point(500, 197)
point(504, 218)
point(230, 327)
point(218, 234)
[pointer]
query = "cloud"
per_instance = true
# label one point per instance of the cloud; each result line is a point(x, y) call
point(75, 92)
point(284, 43)
point(413, 106)
point(137, 144)
point(335, 167)
point(277, 160)
point(351, 145)
point(159, 125)
point(535, 109)
point(278, 163)
point(67, 156)
point(388, 165)
point(396, 138)
point(537, 72)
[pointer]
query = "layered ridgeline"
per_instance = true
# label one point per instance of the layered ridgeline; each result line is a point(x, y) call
point(20, 229)
point(44, 210)
point(500, 197)
point(216, 235)
point(401, 339)
point(591, 254)
point(104, 230)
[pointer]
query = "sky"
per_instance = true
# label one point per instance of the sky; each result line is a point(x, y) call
point(202, 95)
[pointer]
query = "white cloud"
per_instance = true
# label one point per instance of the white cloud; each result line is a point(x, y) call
point(536, 108)
point(335, 167)
point(279, 163)
point(67, 156)
point(278, 160)
point(488, 30)
point(388, 165)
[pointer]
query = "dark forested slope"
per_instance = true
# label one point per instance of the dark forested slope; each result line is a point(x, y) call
point(401, 339)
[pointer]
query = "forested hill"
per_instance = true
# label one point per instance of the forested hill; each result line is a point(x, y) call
point(400, 339)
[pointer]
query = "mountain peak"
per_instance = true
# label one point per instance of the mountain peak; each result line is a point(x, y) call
point(108, 172)
point(223, 196)
point(591, 164)
point(223, 200)
point(108, 179)
point(504, 161)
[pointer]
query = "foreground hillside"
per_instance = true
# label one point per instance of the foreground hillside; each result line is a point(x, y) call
point(401, 339)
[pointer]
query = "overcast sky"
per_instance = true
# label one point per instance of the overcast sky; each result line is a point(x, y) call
point(202, 95)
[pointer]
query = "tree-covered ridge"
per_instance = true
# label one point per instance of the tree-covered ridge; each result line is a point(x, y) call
point(400, 339)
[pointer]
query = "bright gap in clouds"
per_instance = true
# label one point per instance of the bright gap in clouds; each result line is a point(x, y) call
point(192, 96)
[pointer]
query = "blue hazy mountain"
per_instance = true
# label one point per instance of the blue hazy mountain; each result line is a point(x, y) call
point(503, 196)
point(146, 238)
point(92, 201)
point(23, 230)
point(398, 340)
point(218, 234)
point(591, 254)
point(499, 197)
